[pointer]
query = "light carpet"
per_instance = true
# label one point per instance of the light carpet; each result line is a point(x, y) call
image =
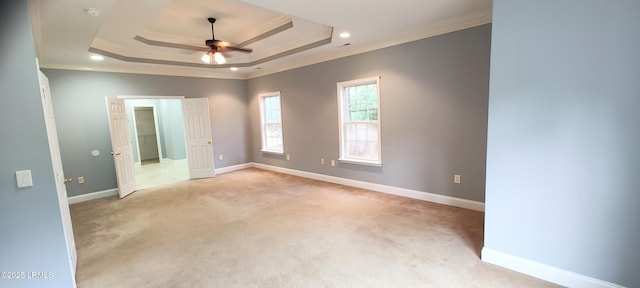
point(256, 228)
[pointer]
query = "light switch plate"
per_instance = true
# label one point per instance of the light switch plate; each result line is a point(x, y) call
point(23, 178)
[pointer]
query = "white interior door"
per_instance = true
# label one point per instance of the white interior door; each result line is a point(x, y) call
point(54, 148)
point(121, 145)
point(197, 130)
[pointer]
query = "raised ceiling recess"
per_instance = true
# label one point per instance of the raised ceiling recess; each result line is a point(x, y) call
point(174, 32)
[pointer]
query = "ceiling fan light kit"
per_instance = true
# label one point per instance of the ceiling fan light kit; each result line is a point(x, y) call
point(216, 46)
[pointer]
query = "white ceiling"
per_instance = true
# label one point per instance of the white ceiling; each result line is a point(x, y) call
point(160, 36)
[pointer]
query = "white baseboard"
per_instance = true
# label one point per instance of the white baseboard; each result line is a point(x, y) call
point(431, 197)
point(543, 271)
point(92, 196)
point(233, 168)
point(420, 195)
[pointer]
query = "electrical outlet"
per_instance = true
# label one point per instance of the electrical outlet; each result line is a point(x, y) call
point(322, 161)
point(221, 157)
point(456, 179)
point(81, 180)
point(288, 157)
point(333, 163)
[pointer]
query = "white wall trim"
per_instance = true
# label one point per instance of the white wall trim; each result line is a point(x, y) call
point(93, 195)
point(233, 168)
point(420, 195)
point(543, 271)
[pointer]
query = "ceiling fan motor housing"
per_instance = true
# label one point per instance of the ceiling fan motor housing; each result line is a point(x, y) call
point(211, 42)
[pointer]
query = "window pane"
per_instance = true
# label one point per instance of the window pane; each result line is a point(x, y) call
point(351, 95)
point(350, 132)
point(274, 130)
point(351, 149)
point(272, 123)
point(372, 150)
point(352, 115)
point(372, 93)
point(373, 114)
point(361, 132)
point(360, 115)
point(361, 148)
point(372, 132)
point(273, 116)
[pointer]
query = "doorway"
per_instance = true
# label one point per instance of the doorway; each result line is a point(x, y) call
point(189, 118)
point(157, 137)
point(145, 129)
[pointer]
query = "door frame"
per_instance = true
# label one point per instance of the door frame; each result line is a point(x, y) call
point(135, 131)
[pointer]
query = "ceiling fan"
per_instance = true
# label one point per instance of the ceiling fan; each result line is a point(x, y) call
point(216, 47)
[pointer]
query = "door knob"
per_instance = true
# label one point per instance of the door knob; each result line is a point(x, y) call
point(209, 142)
point(115, 153)
point(67, 180)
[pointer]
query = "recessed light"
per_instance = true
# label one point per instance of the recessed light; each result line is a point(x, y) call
point(97, 57)
point(92, 12)
point(345, 35)
point(234, 68)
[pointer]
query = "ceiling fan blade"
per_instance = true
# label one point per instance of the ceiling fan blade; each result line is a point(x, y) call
point(231, 48)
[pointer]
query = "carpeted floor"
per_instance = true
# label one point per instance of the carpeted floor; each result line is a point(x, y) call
point(255, 228)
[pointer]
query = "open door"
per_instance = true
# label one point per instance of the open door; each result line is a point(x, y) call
point(197, 130)
point(56, 159)
point(122, 152)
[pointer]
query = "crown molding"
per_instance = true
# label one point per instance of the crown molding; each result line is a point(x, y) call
point(469, 21)
point(153, 70)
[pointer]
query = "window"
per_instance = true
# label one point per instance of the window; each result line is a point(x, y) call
point(359, 106)
point(271, 119)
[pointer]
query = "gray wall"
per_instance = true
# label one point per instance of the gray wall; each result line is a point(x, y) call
point(31, 234)
point(79, 103)
point(563, 159)
point(172, 129)
point(434, 97)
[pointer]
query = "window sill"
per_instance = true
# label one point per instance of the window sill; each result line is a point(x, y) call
point(361, 162)
point(272, 152)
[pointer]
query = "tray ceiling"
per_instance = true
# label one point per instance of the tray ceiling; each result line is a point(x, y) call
point(167, 36)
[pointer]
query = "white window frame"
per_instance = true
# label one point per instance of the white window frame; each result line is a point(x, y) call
point(263, 124)
point(343, 109)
